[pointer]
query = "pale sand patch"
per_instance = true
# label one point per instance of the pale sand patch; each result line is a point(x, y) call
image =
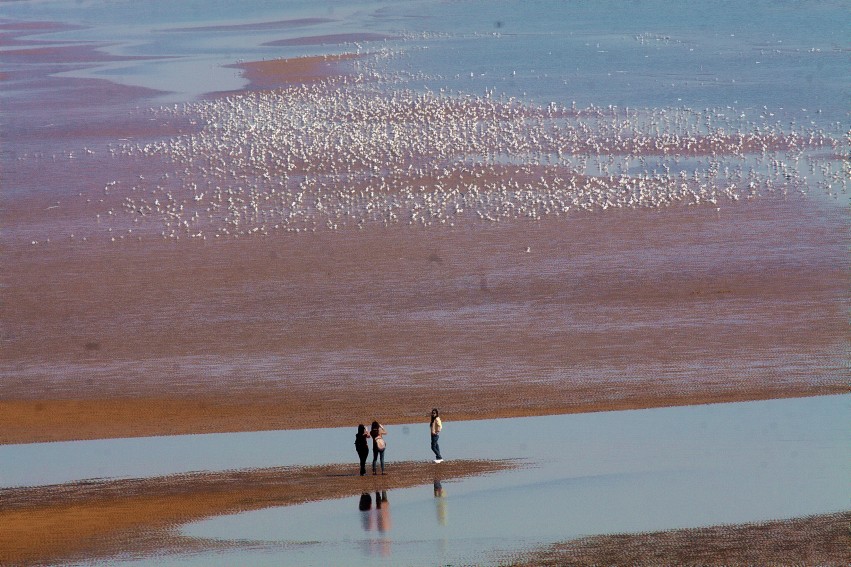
point(99, 519)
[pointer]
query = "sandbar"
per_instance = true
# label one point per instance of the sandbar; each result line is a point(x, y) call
point(823, 540)
point(274, 73)
point(102, 518)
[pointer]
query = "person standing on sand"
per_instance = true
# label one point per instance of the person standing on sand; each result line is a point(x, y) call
point(362, 447)
point(378, 444)
point(436, 426)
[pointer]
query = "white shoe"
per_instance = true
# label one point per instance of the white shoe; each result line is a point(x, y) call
point(438, 460)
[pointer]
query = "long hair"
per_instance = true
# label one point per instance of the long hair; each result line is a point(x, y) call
point(434, 414)
point(361, 429)
point(376, 426)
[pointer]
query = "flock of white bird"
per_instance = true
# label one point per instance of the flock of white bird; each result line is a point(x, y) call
point(357, 153)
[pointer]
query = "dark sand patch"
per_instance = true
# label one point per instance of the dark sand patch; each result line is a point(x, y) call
point(64, 55)
point(823, 540)
point(103, 518)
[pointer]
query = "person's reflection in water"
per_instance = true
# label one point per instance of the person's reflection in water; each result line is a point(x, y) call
point(376, 520)
point(365, 505)
point(440, 502)
point(382, 506)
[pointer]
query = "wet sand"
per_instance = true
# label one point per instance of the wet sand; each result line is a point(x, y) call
point(136, 517)
point(588, 311)
point(90, 521)
point(304, 330)
point(301, 70)
point(25, 421)
point(823, 540)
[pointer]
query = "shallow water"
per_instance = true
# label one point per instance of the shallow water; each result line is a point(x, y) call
point(780, 55)
point(591, 474)
point(586, 474)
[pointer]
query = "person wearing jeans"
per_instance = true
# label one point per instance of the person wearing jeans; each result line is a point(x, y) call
point(378, 445)
point(436, 426)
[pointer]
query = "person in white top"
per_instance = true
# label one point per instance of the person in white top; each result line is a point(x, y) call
point(436, 426)
point(378, 444)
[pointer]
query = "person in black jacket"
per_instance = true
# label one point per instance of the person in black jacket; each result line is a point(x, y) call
point(362, 447)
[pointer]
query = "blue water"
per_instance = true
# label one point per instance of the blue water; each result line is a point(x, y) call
point(592, 474)
point(653, 53)
point(787, 56)
point(584, 474)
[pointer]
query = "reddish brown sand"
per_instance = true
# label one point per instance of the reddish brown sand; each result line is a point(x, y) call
point(623, 310)
point(86, 521)
point(100, 519)
point(815, 540)
point(606, 310)
point(277, 72)
point(39, 106)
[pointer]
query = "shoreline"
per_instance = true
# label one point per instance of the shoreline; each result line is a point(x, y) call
point(89, 520)
point(276, 73)
point(44, 420)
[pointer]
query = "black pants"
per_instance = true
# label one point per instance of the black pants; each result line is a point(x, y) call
point(363, 455)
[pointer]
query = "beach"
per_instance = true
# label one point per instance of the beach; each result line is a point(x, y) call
point(85, 521)
point(88, 521)
point(134, 340)
point(117, 328)
point(324, 237)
